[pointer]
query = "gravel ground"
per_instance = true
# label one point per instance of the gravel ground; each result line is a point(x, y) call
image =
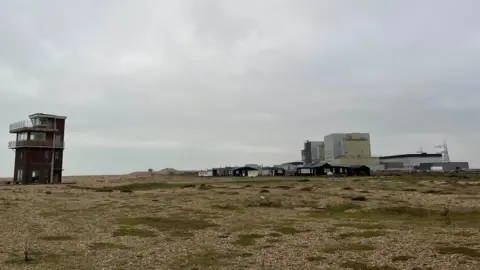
point(268, 223)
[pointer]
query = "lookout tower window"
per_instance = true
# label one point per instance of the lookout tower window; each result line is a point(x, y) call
point(38, 136)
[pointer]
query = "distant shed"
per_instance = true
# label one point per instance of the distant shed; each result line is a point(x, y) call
point(324, 169)
point(242, 171)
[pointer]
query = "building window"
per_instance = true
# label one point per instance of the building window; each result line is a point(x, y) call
point(38, 136)
point(22, 136)
point(35, 176)
point(57, 155)
point(47, 154)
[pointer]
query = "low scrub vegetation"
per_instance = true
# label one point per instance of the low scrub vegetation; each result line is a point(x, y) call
point(226, 223)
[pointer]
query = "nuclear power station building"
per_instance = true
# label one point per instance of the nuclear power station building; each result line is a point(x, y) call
point(350, 149)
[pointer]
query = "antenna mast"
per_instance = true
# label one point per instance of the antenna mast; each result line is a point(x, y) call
point(444, 152)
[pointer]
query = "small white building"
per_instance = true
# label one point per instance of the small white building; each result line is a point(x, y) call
point(266, 172)
point(207, 173)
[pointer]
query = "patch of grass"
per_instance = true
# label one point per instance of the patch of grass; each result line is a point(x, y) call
point(316, 258)
point(181, 234)
point(287, 230)
point(306, 189)
point(284, 187)
point(275, 234)
point(361, 266)
point(101, 245)
point(401, 213)
point(266, 203)
point(130, 187)
point(347, 247)
point(223, 236)
point(176, 223)
point(264, 191)
point(205, 187)
point(35, 257)
point(57, 238)
point(133, 232)
point(245, 255)
point(405, 211)
point(359, 198)
point(362, 226)
point(433, 191)
point(207, 259)
point(459, 250)
point(228, 192)
point(148, 186)
point(402, 258)
point(274, 240)
point(247, 239)
point(335, 210)
point(227, 206)
point(365, 234)
point(465, 234)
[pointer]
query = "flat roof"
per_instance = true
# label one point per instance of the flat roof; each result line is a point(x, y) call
point(411, 155)
point(292, 163)
point(47, 116)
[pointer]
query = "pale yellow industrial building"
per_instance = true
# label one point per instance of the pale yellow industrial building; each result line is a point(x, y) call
point(350, 149)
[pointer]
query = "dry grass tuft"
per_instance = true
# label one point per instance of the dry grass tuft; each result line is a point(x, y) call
point(247, 239)
point(362, 226)
point(57, 238)
point(460, 250)
point(362, 266)
point(287, 230)
point(133, 232)
point(402, 258)
point(365, 234)
point(316, 258)
point(173, 222)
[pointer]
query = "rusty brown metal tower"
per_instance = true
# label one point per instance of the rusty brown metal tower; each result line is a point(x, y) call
point(38, 149)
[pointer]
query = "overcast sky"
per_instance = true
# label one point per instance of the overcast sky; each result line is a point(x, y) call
point(193, 84)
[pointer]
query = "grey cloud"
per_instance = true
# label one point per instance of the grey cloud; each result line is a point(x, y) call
point(222, 83)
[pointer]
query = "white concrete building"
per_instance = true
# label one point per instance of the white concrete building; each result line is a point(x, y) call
point(313, 151)
point(411, 160)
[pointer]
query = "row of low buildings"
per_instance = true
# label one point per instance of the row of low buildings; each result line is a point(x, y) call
point(288, 169)
point(347, 154)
